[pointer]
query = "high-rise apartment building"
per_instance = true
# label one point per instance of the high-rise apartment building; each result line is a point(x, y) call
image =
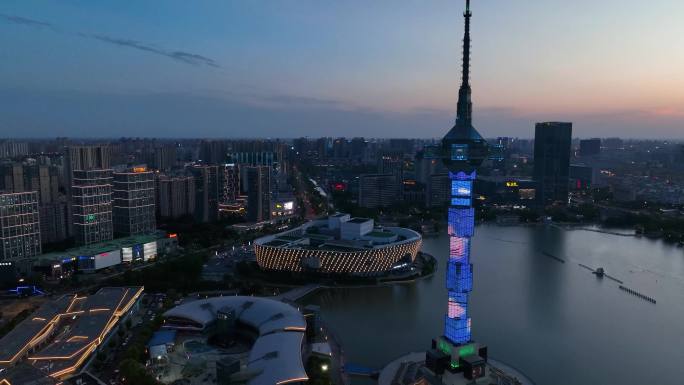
point(302, 146)
point(322, 148)
point(133, 212)
point(214, 151)
point(44, 179)
point(438, 190)
point(393, 164)
point(258, 193)
point(206, 192)
point(378, 190)
point(164, 157)
point(590, 147)
point(19, 226)
point(256, 153)
point(30, 176)
point(11, 149)
point(229, 177)
point(423, 166)
point(92, 206)
point(340, 148)
point(552, 146)
point(82, 158)
point(175, 196)
point(87, 158)
point(54, 219)
point(402, 146)
point(388, 164)
point(12, 177)
point(613, 143)
point(357, 148)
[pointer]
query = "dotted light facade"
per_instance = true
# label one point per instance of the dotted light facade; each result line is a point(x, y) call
point(91, 194)
point(366, 262)
point(19, 226)
point(371, 261)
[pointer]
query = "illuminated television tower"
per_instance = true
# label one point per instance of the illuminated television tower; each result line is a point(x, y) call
point(463, 150)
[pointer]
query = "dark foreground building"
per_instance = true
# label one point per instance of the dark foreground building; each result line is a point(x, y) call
point(259, 193)
point(552, 142)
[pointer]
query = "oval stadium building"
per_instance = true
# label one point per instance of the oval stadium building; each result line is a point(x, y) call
point(339, 245)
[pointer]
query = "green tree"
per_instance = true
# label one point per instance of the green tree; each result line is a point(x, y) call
point(6, 328)
point(528, 216)
point(135, 352)
point(135, 373)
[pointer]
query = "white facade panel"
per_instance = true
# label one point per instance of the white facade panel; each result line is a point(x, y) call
point(150, 251)
point(110, 258)
point(127, 254)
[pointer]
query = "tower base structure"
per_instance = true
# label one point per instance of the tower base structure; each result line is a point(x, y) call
point(454, 362)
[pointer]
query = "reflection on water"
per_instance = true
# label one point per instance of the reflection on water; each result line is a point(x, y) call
point(555, 321)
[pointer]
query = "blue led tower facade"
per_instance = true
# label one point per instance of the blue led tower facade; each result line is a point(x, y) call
point(459, 279)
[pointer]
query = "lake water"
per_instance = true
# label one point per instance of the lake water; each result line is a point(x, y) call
point(556, 322)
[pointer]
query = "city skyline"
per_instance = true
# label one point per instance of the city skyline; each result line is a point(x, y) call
point(320, 193)
point(311, 69)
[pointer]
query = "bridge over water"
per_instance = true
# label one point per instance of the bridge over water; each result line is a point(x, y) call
point(297, 293)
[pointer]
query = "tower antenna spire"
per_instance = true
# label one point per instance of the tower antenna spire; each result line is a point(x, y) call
point(464, 112)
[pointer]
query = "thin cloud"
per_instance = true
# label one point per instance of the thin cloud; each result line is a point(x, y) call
point(295, 100)
point(180, 56)
point(193, 58)
point(668, 112)
point(184, 57)
point(24, 21)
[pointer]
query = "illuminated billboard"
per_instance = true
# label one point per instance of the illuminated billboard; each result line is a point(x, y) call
point(126, 254)
point(104, 260)
point(459, 152)
point(461, 188)
point(283, 208)
point(149, 251)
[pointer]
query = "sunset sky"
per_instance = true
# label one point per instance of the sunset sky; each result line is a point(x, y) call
point(382, 68)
